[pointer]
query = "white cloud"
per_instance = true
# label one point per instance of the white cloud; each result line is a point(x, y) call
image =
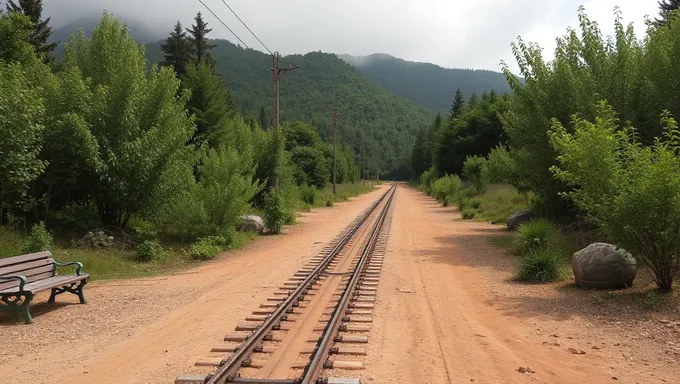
point(451, 33)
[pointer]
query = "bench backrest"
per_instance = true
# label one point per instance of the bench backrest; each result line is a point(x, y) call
point(35, 266)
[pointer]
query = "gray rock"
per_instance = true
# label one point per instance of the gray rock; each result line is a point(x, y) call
point(251, 223)
point(603, 266)
point(518, 218)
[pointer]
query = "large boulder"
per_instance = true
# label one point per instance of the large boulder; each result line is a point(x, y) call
point(603, 266)
point(518, 218)
point(251, 223)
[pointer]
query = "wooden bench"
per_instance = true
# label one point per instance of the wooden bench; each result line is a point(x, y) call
point(21, 277)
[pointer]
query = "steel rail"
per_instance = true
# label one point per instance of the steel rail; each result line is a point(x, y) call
point(228, 370)
point(313, 370)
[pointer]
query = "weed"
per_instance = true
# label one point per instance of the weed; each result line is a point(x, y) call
point(652, 300)
point(39, 239)
point(535, 234)
point(540, 266)
point(275, 214)
point(206, 248)
point(148, 250)
point(329, 203)
point(468, 214)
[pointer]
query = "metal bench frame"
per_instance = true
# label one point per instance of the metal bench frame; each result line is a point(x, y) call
point(17, 298)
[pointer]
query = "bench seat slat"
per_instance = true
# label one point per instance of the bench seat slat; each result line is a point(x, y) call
point(36, 274)
point(48, 283)
point(17, 269)
point(7, 261)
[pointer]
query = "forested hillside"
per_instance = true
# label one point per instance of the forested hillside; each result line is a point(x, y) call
point(424, 83)
point(379, 126)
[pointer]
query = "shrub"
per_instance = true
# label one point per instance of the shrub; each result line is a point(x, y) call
point(475, 203)
point(499, 166)
point(468, 214)
point(39, 240)
point(329, 203)
point(148, 250)
point(474, 170)
point(427, 178)
point(446, 187)
point(308, 194)
point(206, 248)
point(540, 265)
point(534, 234)
point(275, 214)
point(630, 191)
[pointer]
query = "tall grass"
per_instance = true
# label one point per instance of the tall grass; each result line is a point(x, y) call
point(541, 265)
point(499, 202)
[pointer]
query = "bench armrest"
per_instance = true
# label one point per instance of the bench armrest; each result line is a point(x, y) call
point(78, 265)
point(22, 280)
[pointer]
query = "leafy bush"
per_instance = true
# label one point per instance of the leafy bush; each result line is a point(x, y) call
point(468, 214)
point(540, 265)
point(74, 217)
point(632, 192)
point(308, 194)
point(206, 248)
point(275, 214)
point(329, 203)
point(474, 170)
point(39, 240)
point(534, 234)
point(475, 203)
point(446, 188)
point(499, 166)
point(427, 179)
point(148, 250)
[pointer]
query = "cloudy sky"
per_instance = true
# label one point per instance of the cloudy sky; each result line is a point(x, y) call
point(451, 33)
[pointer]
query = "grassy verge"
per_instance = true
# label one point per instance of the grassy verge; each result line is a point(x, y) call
point(344, 192)
point(105, 264)
point(500, 201)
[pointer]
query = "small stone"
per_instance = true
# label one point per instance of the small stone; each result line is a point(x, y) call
point(596, 347)
point(553, 335)
point(521, 370)
point(614, 378)
point(529, 370)
point(663, 321)
point(576, 351)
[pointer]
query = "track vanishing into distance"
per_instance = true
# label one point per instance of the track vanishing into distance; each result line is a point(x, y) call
point(310, 329)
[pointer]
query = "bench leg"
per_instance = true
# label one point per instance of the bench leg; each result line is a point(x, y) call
point(76, 290)
point(24, 309)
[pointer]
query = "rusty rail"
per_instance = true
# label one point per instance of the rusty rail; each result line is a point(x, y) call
point(228, 371)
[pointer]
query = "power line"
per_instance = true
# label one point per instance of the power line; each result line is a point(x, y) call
point(249, 30)
point(225, 25)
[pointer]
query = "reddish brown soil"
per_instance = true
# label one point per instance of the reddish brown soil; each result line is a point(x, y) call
point(447, 311)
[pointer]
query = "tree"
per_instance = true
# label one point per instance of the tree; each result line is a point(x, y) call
point(41, 29)
point(15, 32)
point(263, 119)
point(128, 120)
point(210, 102)
point(666, 7)
point(199, 40)
point(177, 50)
point(457, 106)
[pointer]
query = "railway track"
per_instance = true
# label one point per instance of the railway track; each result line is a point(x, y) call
point(316, 321)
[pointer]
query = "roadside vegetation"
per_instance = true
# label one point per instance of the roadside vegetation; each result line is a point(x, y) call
point(134, 168)
point(587, 141)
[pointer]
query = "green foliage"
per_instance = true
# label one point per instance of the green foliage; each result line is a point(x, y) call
point(475, 172)
point(212, 204)
point(534, 234)
point(427, 179)
point(274, 212)
point(177, 50)
point(124, 120)
point(148, 250)
point(40, 30)
point(206, 248)
point(652, 300)
point(499, 202)
point(630, 191)
point(468, 214)
point(666, 7)
point(200, 46)
point(311, 167)
point(329, 203)
point(22, 114)
point(426, 84)
point(308, 194)
point(379, 127)
point(638, 78)
point(542, 265)
point(499, 166)
point(445, 189)
point(15, 32)
point(210, 103)
point(38, 240)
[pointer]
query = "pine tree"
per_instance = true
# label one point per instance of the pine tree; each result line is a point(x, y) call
point(457, 105)
point(41, 32)
point(178, 50)
point(666, 6)
point(199, 40)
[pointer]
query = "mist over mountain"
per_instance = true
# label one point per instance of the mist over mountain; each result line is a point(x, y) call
point(424, 83)
point(139, 31)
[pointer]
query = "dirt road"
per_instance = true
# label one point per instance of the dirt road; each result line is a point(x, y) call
point(443, 313)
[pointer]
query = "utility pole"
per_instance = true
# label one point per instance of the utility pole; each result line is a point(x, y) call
point(276, 75)
point(335, 117)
